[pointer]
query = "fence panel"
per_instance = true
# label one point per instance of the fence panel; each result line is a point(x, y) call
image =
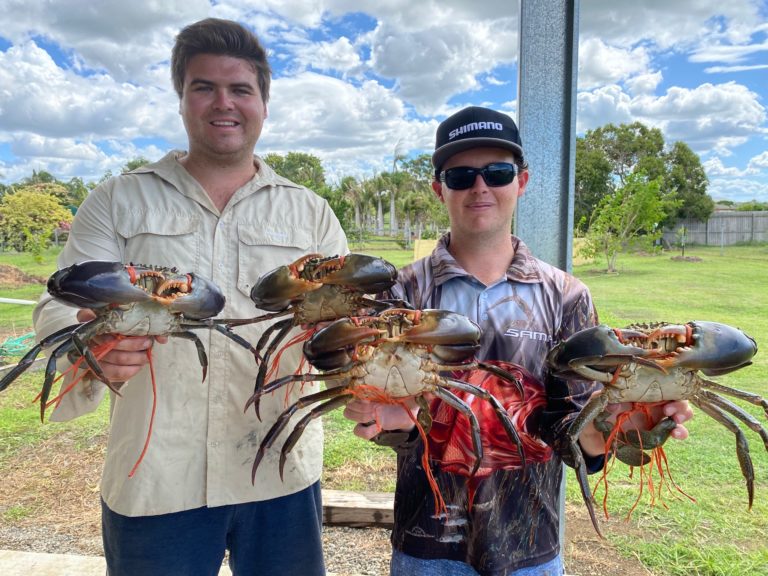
point(722, 229)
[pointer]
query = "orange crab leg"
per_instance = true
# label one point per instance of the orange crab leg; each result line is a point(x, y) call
point(99, 352)
point(151, 416)
point(373, 394)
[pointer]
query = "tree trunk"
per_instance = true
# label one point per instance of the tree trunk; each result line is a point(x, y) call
point(392, 214)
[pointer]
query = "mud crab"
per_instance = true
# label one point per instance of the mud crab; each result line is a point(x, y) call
point(657, 363)
point(311, 290)
point(388, 358)
point(130, 300)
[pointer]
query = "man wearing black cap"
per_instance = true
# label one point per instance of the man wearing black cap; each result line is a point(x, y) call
point(524, 306)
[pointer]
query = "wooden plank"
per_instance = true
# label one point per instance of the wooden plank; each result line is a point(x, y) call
point(358, 509)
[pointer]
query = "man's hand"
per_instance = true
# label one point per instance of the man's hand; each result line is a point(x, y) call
point(128, 356)
point(592, 441)
point(373, 417)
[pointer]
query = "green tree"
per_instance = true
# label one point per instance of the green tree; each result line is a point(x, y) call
point(607, 156)
point(77, 191)
point(134, 163)
point(299, 167)
point(752, 206)
point(28, 218)
point(688, 182)
point(41, 177)
point(627, 218)
point(428, 211)
point(593, 181)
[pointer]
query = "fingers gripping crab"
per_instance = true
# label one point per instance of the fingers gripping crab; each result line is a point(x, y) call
point(657, 363)
point(129, 300)
point(397, 355)
point(311, 290)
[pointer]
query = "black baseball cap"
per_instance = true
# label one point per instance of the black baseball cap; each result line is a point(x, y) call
point(474, 127)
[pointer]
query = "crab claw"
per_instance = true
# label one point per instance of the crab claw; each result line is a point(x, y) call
point(285, 285)
point(200, 299)
point(279, 288)
point(452, 336)
point(332, 346)
point(367, 274)
point(95, 284)
point(587, 351)
point(711, 347)
point(98, 284)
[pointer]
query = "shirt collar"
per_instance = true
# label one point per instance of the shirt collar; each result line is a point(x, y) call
point(523, 268)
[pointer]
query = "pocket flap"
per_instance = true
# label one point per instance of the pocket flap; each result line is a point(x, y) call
point(162, 223)
point(266, 235)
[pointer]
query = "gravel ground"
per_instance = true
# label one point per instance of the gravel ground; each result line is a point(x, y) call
point(348, 551)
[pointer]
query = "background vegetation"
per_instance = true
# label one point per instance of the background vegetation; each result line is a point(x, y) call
point(630, 184)
point(715, 535)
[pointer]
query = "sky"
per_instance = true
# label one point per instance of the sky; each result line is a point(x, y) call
point(85, 85)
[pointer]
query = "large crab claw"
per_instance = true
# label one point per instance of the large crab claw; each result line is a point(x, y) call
point(711, 347)
point(99, 284)
point(285, 285)
point(591, 350)
point(451, 337)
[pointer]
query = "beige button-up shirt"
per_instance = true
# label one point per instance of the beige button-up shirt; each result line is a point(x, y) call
point(203, 444)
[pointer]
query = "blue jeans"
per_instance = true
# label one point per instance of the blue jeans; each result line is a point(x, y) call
point(280, 536)
point(404, 565)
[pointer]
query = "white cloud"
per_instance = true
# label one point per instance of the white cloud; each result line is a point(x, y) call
point(435, 63)
point(355, 76)
point(601, 64)
point(738, 190)
point(758, 163)
point(609, 104)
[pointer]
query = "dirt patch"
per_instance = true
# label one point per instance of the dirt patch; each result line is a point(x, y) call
point(11, 276)
point(49, 502)
point(686, 259)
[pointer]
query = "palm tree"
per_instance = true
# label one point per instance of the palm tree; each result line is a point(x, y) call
point(397, 156)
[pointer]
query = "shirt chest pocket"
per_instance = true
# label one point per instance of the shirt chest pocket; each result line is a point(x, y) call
point(261, 250)
point(161, 238)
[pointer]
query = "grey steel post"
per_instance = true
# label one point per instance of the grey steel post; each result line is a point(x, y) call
point(546, 116)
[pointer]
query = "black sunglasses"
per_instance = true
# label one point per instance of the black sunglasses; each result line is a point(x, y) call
point(495, 174)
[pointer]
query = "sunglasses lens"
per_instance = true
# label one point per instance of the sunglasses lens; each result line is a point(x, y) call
point(499, 174)
point(463, 177)
point(460, 178)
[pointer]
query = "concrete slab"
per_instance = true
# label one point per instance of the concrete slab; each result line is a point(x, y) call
point(16, 563)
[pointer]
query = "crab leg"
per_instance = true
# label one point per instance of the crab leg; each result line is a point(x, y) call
point(590, 411)
point(30, 356)
point(742, 447)
point(284, 326)
point(735, 410)
point(316, 412)
point(284, 418)
point(740, 394)
point(87, 330)
point(498, 409)
point(201, 355)
point(457, 403)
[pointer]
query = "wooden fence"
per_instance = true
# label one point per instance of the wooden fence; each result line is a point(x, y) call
point(722, 229)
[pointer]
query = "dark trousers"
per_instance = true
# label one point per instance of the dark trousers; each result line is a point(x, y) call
point(280, 536)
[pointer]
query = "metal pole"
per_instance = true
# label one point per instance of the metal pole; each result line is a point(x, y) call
point(546, 113)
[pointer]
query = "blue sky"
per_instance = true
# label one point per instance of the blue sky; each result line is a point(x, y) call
point(85, 86)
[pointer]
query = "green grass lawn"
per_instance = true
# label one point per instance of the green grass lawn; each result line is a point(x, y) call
point(716, 535)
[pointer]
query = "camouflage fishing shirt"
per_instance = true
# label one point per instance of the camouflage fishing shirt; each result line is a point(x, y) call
point(513, 521)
